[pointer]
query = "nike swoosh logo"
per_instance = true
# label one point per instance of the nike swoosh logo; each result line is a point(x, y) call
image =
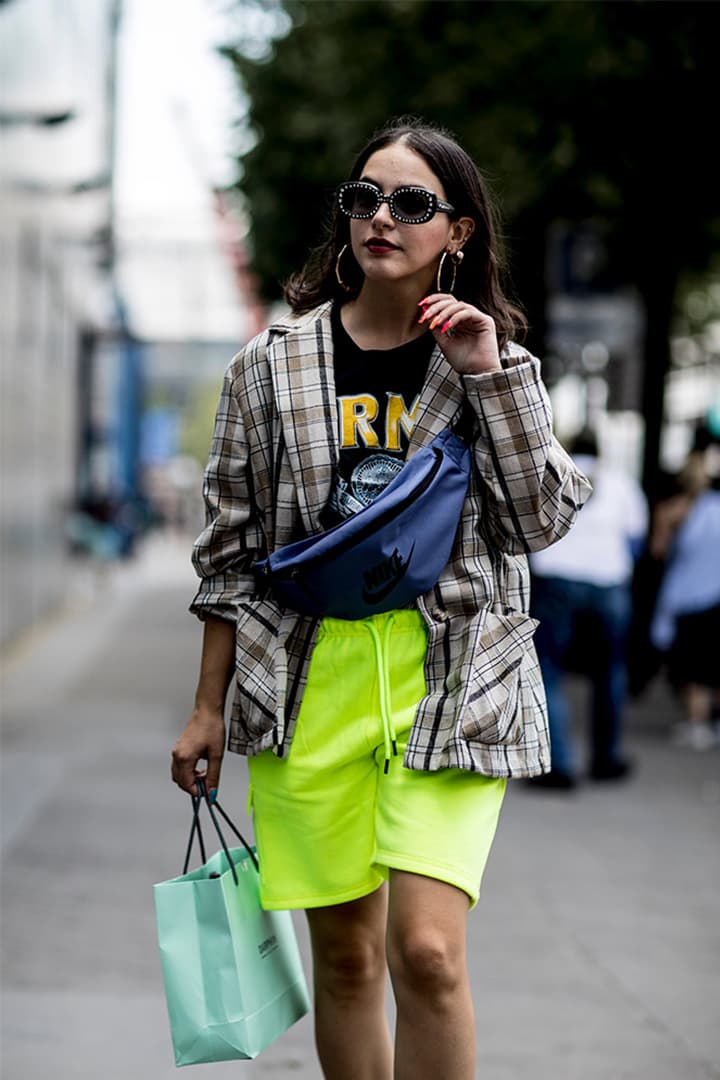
point(375, 596)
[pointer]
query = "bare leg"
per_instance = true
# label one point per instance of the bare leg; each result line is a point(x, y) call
point(350, 976)
point(698, 709)
point(698, 703)
point(426, 953)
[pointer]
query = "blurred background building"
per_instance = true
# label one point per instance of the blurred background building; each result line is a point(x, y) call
point(59, 308)
point(124, 286)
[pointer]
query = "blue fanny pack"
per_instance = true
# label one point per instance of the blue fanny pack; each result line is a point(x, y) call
point(387, 554)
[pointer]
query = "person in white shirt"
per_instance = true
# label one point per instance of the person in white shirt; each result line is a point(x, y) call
point(583, 583)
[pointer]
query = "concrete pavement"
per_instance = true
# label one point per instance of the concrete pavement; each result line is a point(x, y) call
point(594, 950)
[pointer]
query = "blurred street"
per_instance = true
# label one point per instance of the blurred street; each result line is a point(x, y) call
point(608, 895)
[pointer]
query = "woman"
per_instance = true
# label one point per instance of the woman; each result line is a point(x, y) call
point(686, 620)
point(379, 749)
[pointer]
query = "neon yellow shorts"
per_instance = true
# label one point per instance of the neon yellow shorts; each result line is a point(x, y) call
point(330, 822)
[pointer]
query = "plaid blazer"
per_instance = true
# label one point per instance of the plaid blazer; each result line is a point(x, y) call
point(267, 481)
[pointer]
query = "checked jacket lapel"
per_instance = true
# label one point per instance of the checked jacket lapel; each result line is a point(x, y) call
point(301, 360)
point(441, 399)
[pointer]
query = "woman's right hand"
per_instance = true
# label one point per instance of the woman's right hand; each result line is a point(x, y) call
point(203, 738)
point(204, 734)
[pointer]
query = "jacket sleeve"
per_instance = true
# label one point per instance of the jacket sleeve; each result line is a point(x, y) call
point(229, 545)
point(534, 489)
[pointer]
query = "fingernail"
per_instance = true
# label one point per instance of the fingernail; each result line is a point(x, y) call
point(424, 302)
point(423, 317)
point(435, 321)
point(213, 794)
point(444, 328)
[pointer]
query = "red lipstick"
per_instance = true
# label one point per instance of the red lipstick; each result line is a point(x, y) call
point(377, 246)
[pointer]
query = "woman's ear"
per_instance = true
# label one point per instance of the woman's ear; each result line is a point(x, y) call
point(461, 230)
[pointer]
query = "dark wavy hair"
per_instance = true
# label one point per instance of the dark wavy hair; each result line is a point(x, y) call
point(479, 278)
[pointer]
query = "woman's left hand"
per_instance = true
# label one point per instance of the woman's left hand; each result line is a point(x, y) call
point(466, 336)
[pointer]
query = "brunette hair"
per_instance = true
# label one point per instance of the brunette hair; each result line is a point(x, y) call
point(479, 274)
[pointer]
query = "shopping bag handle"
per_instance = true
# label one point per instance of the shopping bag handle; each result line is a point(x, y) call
point(197, 801)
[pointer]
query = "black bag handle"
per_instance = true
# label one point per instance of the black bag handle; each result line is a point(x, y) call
point(195, 828)
point(197, 801)
point(463, 423)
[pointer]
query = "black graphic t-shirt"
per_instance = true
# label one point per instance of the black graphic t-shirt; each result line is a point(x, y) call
point(378, 392)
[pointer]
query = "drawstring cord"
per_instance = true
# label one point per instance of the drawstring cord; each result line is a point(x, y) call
point(381, 652)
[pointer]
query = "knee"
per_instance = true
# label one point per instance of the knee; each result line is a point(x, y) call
point(424, 962)
point(349, 968)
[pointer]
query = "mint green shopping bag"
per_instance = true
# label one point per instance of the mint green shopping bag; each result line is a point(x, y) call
point(233, 976)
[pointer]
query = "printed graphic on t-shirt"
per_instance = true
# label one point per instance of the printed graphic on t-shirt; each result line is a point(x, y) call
point(366, 425)
point(360, 424)
point(378, 400)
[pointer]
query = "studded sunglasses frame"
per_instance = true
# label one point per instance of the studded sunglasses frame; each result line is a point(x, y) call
point(434, 205)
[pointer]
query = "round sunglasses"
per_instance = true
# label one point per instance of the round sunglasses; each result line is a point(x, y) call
point(410, 205)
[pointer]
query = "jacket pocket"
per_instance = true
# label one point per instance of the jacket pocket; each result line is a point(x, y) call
point(256, 636)
point(492, 709)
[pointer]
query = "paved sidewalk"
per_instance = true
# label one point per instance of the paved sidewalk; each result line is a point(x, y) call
point(594, 951)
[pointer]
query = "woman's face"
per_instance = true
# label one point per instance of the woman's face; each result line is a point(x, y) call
point(392, 251)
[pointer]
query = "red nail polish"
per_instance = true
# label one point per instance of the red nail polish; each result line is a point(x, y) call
point(444, 328)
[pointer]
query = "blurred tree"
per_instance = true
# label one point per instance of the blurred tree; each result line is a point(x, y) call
point(575, 111)
point(199, 421)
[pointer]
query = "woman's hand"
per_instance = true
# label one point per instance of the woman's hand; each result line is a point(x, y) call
point(204, 734)
point(203, 738)
point(466, 336)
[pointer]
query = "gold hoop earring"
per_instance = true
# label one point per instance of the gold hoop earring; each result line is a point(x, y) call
point(341, 283)
point(455, 258)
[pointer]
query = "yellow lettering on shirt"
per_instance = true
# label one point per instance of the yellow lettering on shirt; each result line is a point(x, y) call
point(357, 413)
point(397, 417)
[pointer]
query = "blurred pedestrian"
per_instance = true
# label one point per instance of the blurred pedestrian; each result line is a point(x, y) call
point(686, 621)
point(379, 748)
point(582, 595)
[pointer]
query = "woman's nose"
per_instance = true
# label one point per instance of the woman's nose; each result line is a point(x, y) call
point(382, 215)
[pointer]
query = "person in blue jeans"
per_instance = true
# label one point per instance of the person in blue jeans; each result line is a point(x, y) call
point(581, 595)
point(602, 614)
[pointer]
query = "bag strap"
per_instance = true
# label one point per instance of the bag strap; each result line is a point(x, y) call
point(197, 801)
point(464, 422)
point(195, 828)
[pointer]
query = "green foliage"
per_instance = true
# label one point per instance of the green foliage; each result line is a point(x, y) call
point(198, 421)
point(573, 110)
